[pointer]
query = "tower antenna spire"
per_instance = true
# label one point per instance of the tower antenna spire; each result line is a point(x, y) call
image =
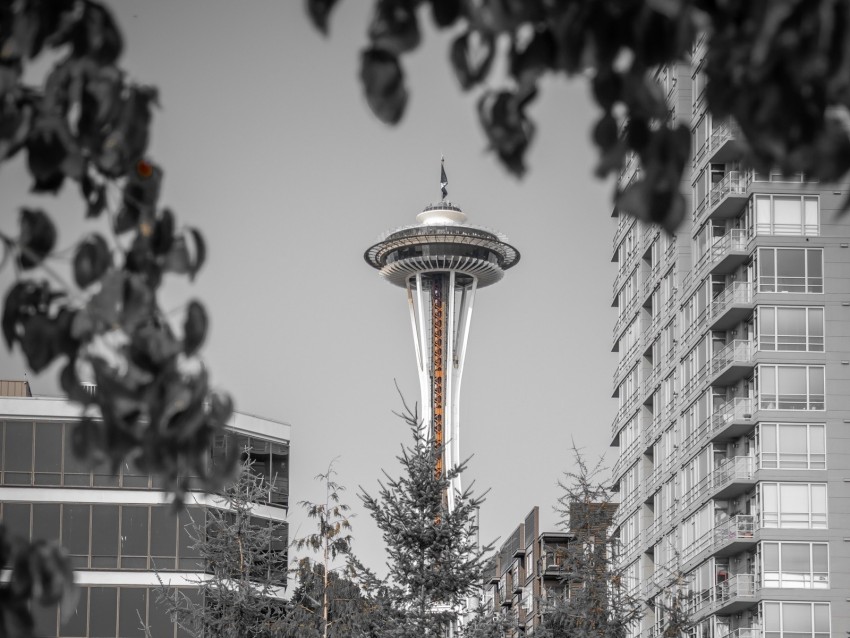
point(444, 181)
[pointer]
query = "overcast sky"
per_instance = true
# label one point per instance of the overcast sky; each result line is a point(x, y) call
point(269, 147)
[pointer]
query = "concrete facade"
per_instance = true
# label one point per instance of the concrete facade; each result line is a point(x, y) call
point(120, 530)
point(733, 382)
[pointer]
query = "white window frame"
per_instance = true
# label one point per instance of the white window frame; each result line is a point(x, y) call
point(781, 343)
point(805, 228)
point(770, 632)
point(782, 579)
point(809, 401)
point(783, 518)
point(809, 283)
point(792, 460)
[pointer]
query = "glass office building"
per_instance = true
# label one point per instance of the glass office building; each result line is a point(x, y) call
point(119, 531)
point(733, 383)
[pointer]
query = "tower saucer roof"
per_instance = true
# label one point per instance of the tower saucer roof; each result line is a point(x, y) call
point(442, 241)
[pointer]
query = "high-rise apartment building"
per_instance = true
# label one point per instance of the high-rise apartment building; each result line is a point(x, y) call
point(120, 531)
point(733, 382)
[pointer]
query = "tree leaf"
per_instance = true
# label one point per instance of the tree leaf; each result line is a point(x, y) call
point(94, 194)
point(139, 198)
point(39, 342)
point(52, 153)
point(163, 233)
point(194, 328)
point(319, 12)
point(383, 82)
point(97, 35)
point(471, 55)
point(127, 142)
point(37, 238)
point(538, 56)
point(394, 26)
point(91, 260)
point(509, 131)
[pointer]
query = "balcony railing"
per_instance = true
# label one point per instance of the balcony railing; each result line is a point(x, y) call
point(738, 409)
point(719, 201)
point(740, 292)
point(737, 528)
point(738, 351)
point(744, 632)
point(735, 469)
point(739, 586)
point(725, 132)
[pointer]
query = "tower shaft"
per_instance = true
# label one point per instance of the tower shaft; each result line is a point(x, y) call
point(441, 311)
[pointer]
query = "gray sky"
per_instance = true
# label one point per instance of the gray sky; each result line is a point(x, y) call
point(269, 147)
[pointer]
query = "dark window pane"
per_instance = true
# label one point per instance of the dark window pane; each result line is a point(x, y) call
point(45, 621)
point(75, 624)
point(75, 529)
point(76, 471)
point(45, 521)
point(158, 619)
point(104, 478)
point(104, 536)
point(103, 616)
point(134, 530)
point(16, 516)
point(18, 447)
point(131, 612)
point(163, 535)
point(48, 442)
point(131, 476)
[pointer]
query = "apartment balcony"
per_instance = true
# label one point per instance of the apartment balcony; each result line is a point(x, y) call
point(731, 306)
point(733, 419)
point(734, 535)
point(744, 632)
point(728, 197)
point(729, 251)
point(722, 144)
point(624, 271)
point(623, 225)
point(735, 594)
point(733, 477)
point(725, 200)
point(732, 363)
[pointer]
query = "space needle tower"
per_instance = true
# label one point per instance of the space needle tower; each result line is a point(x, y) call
point(442, 262)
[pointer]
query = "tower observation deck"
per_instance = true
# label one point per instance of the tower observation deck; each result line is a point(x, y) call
point(442, 261)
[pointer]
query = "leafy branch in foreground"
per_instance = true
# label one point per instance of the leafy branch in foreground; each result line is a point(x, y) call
point(87, 127)
point(781, 70)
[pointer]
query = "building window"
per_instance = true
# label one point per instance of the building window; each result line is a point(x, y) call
point(795, 565)
point(696, 531)
point(787, 215)
point(792, 446)
point(793, 505)
point(628, 291)
point(627, 390)
point(790, 270)
point(792, 328)
point(789, 387)
point(795, 620)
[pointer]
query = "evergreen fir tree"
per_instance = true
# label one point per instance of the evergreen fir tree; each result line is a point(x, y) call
point(434, 558)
